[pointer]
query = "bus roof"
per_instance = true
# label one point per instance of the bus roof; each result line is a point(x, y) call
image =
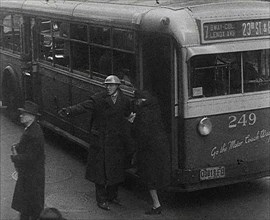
point(179, 18)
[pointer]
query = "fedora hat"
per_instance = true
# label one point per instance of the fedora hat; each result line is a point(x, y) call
point(30, 107)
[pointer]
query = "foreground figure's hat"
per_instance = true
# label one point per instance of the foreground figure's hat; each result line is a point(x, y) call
point(112, 79)
point(30, 107)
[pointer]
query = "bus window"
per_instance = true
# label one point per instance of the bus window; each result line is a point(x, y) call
point(79, 48)
point(17, 22)
point(124, 67)
point(80, 57)
point(256, 70)
point(2, 40)
point(123, 39)
point(11, 32)
point(7, 32)
point(78, 32)
point(46, 44)
point(1, 35)
point(101, 60)
point(60, 43)
point(100, 35)
point(221, 74)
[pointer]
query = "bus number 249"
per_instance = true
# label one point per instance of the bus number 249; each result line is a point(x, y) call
point(244, 120)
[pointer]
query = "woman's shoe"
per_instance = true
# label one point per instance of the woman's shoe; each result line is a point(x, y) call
point(154, 211)
point(116, 201)
point(104, 205)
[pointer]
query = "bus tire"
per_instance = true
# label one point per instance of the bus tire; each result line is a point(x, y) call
point(11, 94)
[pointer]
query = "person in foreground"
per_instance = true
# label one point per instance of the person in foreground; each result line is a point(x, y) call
point(106, 158)
point(28, 158)
point(153, 146)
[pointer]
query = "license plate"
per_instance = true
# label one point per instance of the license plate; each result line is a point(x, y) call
point(212, 173)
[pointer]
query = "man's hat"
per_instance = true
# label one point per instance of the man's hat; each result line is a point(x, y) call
point(30, 107)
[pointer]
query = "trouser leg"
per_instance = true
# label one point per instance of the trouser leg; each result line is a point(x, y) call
point(101, 193)
point(24, 217)
point(34, 216)
point(112, 191)
point(29, 217)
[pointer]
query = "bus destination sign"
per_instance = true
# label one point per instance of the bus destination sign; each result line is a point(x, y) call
point(218, 31)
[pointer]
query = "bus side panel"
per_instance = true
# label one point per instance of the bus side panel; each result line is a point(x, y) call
point(55, 95)
point(236, 138)
point(81, 91)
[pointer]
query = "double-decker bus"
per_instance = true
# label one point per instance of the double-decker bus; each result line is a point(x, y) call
point(207, 62)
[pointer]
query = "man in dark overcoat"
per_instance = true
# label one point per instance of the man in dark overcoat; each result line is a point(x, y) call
point(106, 157)
point(28, 158)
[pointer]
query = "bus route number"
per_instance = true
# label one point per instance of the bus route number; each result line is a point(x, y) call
point(244, 120)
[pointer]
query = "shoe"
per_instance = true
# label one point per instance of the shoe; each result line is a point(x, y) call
point(104, 205)
point(115, 201)
point(154, 211)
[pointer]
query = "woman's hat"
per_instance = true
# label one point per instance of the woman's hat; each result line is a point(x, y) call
point(142, 94)
point(30, 107)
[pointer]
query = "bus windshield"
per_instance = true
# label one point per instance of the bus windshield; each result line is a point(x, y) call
point(229, 73)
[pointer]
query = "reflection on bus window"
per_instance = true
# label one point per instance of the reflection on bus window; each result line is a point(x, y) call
point(124, 66)
point(61, 52)
point(123, 39)
point(100, 35)
point(78, 32)
point(221, 74)
point(10, 26)
point(80, 57)
point(17, 22)
point(256, 70)
point(46, 45)
point(61, 47)
point(54, 46)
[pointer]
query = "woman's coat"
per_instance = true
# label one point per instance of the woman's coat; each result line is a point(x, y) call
point(153, 145)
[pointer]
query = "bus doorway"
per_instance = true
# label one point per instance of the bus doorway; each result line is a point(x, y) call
point(157, 72)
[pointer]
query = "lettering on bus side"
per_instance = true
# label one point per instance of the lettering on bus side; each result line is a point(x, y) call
point(231, 145)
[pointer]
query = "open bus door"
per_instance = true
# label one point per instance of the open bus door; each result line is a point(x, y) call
point(160, 78)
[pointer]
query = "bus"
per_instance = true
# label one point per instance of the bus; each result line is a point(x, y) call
point(207, 62)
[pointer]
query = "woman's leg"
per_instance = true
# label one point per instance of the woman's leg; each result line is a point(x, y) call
point(156, 209)
point(154, 196)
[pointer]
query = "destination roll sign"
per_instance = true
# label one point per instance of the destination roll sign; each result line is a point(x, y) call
point(218, 31)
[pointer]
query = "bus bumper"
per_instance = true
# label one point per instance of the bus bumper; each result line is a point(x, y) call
point(189, 180)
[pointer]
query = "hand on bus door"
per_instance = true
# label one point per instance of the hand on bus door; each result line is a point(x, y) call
point(64, 112)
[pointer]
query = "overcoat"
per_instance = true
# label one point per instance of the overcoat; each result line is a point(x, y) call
point(153, 145)
point(28, 195)
point(107, 153)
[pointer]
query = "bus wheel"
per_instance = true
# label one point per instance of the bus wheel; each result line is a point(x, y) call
point(11, 97)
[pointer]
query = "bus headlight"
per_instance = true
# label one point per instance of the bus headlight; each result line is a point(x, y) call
point(205, 126)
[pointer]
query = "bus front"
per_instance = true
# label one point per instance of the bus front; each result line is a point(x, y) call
point(226, 129)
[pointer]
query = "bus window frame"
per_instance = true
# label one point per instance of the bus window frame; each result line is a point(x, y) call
point(191, 73)
point(92, 74)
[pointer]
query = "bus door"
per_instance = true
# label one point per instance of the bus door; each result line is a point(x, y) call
point(159, 77)
point(157, 74)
